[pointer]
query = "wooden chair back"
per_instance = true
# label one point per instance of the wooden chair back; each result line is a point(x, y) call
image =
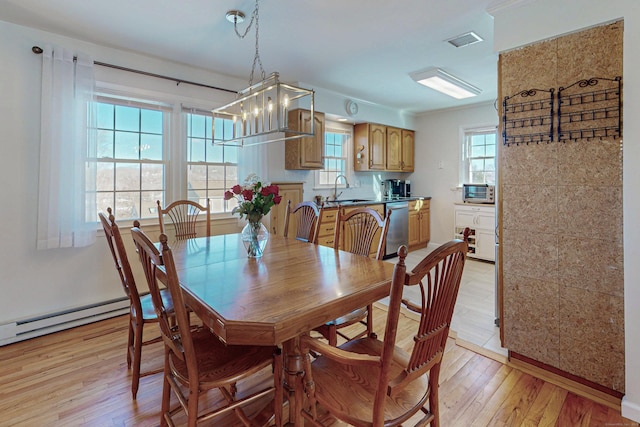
point(307, 220)
point(176, 338)
point(184, 215)
point(357, 229)
point(119, 254)
point(438, 276)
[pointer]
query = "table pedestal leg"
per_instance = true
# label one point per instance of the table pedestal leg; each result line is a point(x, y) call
point(293, 372)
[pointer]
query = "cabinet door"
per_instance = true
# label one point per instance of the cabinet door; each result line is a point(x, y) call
point(425, 225)
point(305, 153)
point(465, 218)
point(485, 245)
point(414, 228)
point(312, 148)
point(288, 191)
point(394, 149)
point(408, 141)
point(486, 218)
point(377, 146)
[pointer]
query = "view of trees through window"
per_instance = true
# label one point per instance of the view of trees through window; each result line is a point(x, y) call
point(131, 168)
point(210, 169)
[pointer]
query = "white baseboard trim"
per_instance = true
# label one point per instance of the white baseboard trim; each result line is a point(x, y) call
point(630, 410)
point(24, 329)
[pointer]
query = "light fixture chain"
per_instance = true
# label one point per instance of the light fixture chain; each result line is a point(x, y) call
point(256, 57)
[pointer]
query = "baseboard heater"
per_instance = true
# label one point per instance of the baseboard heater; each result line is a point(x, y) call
point(42, 325)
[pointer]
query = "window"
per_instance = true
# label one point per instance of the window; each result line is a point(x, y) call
point(479, 156)
point(336, 143)
point(131, 166)
point(210, 169)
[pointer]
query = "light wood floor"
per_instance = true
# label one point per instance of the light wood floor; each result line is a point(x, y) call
point(474, 315)
point(79, 377)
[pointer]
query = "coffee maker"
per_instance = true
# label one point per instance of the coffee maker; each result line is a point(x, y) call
point(396, 188)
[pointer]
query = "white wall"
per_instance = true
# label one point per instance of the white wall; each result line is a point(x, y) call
point(438, 138)
point(527, 22)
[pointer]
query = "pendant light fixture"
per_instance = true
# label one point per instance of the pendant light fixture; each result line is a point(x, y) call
point(259, 114)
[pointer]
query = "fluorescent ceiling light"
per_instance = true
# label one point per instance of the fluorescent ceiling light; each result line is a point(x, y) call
point(443, 82)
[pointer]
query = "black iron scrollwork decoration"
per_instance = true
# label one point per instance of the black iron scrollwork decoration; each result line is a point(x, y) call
point(527, 117)
point(590, 108)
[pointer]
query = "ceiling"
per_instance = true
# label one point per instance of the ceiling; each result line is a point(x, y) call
point(364, 49)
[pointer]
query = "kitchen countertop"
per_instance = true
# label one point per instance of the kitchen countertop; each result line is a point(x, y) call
point(360, 202)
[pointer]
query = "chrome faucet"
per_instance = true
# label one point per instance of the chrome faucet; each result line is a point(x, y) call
point(335, 186)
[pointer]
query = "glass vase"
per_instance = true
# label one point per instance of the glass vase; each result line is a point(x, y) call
point(254, 237)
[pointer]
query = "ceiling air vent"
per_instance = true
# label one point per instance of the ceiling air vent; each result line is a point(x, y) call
point(465, 39)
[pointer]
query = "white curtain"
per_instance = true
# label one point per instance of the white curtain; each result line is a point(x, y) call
point(255, 159)
point(67, 182)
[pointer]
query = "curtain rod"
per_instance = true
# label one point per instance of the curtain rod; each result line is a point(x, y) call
point(38, 50)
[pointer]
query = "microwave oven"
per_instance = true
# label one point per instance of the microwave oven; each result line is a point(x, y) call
point(478, 193)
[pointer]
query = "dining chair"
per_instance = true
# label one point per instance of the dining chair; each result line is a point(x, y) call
point(197, 361)
point(355, 232)
point(141, 309)
point(371, 382)
point(307, 219)
point(184, 216)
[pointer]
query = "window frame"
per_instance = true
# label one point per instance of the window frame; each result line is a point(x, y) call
point(228, 205)
point(337, 128)
point(465, 157)
point(118, 101)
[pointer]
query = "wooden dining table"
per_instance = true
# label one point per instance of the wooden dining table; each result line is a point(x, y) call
point(274, 299)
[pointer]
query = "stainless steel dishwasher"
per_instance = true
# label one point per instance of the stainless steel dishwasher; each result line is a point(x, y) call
point(398, 233)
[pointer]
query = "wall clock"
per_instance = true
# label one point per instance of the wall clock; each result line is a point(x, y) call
point(351, 107)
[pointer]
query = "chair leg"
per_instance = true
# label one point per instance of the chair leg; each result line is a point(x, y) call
point(278, 399)
point(130, 341)
point(370, 332)
point(434, 407)
point(333, 335)
point(192, 405)
point(166, 390)
point(137, 357)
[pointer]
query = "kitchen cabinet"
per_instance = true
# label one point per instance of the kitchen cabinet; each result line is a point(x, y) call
point(328, 223)
point(400, 144)
point(408, 144)
point(370, 152)
point(383, 148)
point(289, 191)
point(481, 221)
point(305, 153)
point(327, 229)
point(419, 223)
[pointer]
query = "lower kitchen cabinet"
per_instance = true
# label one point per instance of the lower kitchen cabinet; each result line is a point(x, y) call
point(327, 227)
point(481, 221)
point(289, 191)
point(328, 224)
point(419, 223)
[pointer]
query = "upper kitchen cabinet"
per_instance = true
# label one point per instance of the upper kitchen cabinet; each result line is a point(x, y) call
point(305, 153)
point(408, 141)
point(400, 149)
point(383, 148)
point(370, 147)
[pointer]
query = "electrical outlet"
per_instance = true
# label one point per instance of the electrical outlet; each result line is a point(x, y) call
point(441, 164)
